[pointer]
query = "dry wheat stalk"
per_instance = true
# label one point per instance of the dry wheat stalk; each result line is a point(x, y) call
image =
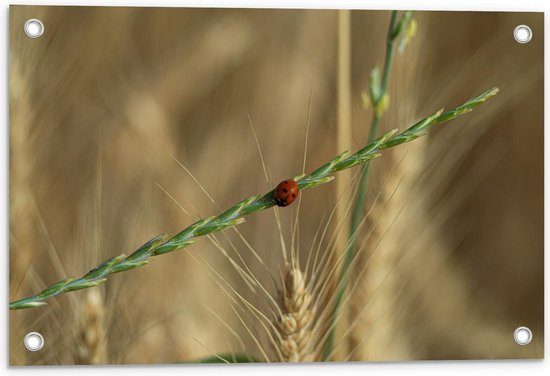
point(296, 318)
point(91, 341)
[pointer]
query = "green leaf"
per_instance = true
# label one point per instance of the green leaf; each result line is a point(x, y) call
point(425, 123)
point(145, 249)
point(402, 24)
point(468, 105)
point(172, 245)
point(382, 105)
point(83, 285)
point(104, 267)
point(377, 144)
point(355, 160)
point(55, 288)
point(236, 210)
point(22, 305)
point(215, 226)
point(375, 85)
point(128, 265)
point(310, 183)
point(328, 167)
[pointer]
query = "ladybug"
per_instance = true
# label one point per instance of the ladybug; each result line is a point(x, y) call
point(286, 192)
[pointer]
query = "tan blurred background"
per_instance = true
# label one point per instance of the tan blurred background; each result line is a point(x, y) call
point(106, 101)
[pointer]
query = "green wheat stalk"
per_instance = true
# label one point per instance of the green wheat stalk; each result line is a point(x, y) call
point(379, 98)
point(164, 243)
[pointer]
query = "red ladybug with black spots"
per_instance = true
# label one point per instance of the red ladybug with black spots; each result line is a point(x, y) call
point(286, 192)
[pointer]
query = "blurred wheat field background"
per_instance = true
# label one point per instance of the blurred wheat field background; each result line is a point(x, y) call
point(109, 103)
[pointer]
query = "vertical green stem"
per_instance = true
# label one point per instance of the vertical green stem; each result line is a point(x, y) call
point(357, 212)
point(361, 190)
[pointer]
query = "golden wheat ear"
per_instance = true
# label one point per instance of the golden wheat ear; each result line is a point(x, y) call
point(91, 346)
point(296, 317)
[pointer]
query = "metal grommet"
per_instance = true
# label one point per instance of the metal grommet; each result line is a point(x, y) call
point(523, 336)
point(33, 341)
point(34, 28)
point(523, 34)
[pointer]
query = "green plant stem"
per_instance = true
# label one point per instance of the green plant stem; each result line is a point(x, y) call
point(233, 216)
point(357, 212)
point(362, 188)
